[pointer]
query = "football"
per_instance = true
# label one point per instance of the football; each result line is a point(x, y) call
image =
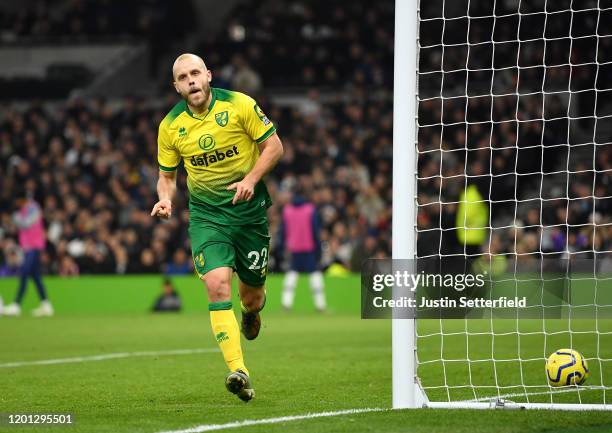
point(566, 367)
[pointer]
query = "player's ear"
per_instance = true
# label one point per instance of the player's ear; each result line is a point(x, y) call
point(176, 87)
point(209, 74)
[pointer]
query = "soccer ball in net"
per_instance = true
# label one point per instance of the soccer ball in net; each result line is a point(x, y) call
point(566, 367)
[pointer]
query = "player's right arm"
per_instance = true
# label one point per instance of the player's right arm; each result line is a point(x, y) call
point(169, 159)
point(166, 188)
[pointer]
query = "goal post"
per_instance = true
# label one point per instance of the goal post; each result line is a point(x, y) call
point(504, 108)
point(405, 392)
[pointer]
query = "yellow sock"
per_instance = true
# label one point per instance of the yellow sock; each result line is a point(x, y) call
point(227, 333)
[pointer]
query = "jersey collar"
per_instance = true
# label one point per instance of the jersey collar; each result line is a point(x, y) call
point(213, 99)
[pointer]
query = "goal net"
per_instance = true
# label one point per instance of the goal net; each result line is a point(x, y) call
point(513, 172)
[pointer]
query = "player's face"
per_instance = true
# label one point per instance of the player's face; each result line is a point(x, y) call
point(192, 81)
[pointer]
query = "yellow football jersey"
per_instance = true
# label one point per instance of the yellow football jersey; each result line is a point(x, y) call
point(218, 148)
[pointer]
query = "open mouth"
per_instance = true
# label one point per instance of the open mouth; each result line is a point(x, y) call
point(194, 91)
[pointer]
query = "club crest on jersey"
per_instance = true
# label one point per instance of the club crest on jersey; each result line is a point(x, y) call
point(222, 118)
point(207, 142)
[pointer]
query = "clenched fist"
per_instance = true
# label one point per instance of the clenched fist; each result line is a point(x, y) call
point(162, 209)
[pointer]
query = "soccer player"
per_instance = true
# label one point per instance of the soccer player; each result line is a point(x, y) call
point(227, 145)
point(32, 241)
point(300, 234)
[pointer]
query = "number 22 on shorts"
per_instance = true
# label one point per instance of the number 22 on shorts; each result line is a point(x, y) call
point(254, 256)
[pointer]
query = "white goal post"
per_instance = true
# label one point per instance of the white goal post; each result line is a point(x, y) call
point(536, 101)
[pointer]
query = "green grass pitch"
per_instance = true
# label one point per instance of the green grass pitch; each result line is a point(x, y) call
point(302, 363)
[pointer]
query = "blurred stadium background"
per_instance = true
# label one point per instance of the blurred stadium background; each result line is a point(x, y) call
point(83, 86)
point(84, 99)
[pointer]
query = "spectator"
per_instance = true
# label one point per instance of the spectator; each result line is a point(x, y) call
point(10, 262)
point(300, 236)
point(147, 264)
point(180, 264)
point(472, 220)
point(169, 299)
point(245, 79)
point(29, 221)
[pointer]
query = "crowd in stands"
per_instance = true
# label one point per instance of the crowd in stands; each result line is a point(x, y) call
point(83, 20)
point(519, 107)
point(92, 164)
point(328, 44)
point(93, 170)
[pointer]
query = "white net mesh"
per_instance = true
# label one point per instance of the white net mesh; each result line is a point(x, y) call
point(514, 114)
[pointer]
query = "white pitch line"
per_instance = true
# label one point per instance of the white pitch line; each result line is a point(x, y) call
point(522, 394)
point(250, 422)
point(107, 356)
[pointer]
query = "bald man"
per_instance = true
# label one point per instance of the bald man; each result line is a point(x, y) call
point(227, 144)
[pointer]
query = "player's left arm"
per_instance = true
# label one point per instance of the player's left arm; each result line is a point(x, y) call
point(271, 152)
point(262, 131)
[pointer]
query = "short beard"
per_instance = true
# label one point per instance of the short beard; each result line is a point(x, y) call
point(206, 92)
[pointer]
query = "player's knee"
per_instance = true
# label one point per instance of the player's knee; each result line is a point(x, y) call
point(218, 286)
